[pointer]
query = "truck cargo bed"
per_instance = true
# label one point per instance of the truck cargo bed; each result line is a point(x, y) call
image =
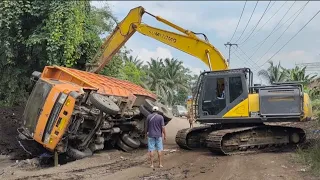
point(104, 85)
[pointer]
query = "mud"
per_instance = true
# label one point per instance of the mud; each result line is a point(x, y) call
point(178, 163)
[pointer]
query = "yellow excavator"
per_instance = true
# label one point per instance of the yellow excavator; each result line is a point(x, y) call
point(235, 113)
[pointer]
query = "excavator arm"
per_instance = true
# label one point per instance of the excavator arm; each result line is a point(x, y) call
point(187, 42)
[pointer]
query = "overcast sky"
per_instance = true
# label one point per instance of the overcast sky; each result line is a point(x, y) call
point(218, 20)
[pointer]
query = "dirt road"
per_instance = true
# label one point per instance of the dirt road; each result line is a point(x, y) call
point(179, 164)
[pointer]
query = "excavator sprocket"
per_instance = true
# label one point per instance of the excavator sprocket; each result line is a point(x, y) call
point(249, 139)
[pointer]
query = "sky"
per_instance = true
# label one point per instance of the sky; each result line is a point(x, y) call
point(219, 19)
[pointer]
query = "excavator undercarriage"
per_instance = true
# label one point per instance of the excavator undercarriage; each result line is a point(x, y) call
point(230, 139)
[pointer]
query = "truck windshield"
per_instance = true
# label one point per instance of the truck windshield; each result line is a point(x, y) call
point(35, 104)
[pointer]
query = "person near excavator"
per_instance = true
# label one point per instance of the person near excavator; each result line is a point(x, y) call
point(155, 134)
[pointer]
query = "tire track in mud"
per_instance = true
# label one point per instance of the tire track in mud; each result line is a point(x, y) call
point(88, 172)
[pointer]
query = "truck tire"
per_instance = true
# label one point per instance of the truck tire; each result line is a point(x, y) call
point(143, 142)
point(77, 154)
point(104, 104)
point(167, 114)
point(123, 146)
point(144, 111)
point(148, 104)
point(130, 141)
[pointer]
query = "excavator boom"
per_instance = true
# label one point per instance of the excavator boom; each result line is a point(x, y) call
point(187, 42)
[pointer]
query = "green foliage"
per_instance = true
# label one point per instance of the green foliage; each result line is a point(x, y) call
point(38, 33)
point(169, 79)
point(299, 74)
point(132, 73)
point(273, 74)
point(276, 73)
point(311, 157)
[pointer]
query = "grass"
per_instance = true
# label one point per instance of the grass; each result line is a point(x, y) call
point(310, 155)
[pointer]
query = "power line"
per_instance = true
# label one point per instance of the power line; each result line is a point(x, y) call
point(267, 21)
point(301, 9)
point(256, 65)
point(248, 21)
point(244, 61)
point(273, 30)
point(258, 22)
point(292, 37)
point(238, 21)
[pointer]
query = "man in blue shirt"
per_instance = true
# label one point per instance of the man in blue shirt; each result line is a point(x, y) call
point(155, 131)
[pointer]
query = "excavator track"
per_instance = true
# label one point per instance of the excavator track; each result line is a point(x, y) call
point(190, 138)
point(250, 139)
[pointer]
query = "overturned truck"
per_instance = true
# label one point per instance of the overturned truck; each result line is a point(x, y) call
point(78, 112)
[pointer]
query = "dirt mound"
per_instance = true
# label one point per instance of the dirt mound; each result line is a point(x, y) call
point(10, 120)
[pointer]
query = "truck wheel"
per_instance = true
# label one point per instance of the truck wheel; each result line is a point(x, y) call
point(144, 111)
point(123, 146)
point(148, 104)
point(104, 104)
point(130, 141)
point(143, 142)
point(167, 114)
point(77, 154)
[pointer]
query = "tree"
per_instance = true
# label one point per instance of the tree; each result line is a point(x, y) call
point(38, 33)
point(156, 79)
point(132, 73)
point(299, 74)
point(137, 62)
point(273, 73)
point(169, 79)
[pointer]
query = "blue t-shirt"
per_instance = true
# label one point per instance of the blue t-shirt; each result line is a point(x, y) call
point(155, 123)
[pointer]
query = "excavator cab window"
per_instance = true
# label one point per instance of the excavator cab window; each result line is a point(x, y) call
point(214, 100)
point(220, 92)
point(235, 88)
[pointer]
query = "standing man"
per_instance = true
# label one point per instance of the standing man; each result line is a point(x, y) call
point(190, 117)
point(155, 132)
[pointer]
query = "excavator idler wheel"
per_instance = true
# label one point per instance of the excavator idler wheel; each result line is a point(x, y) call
point(133, 143)
point(294, 138)
point(104, 104)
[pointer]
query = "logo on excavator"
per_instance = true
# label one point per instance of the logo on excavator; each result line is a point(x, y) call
point(166, 37)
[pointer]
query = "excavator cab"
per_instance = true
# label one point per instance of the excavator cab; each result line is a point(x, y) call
point(221, 91)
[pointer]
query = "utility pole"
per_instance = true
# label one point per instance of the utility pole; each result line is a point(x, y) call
point(230, 44)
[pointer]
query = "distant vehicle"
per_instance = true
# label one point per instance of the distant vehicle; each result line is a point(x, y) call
point(179, 111)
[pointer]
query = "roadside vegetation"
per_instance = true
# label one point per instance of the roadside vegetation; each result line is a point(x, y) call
point(310, 155)
point(34, 34)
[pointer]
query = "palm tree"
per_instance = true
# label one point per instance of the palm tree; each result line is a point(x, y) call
point(273, 73)
point(167, 77)
point(299, 74)
point(156, 79)
point(177, 77)
point(137, 62)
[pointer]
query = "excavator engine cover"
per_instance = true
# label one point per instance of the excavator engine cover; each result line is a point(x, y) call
point(281, 101)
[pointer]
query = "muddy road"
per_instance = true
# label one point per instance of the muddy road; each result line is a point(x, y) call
point(178, 164)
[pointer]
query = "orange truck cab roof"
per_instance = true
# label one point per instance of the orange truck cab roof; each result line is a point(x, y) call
point(103, 84)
